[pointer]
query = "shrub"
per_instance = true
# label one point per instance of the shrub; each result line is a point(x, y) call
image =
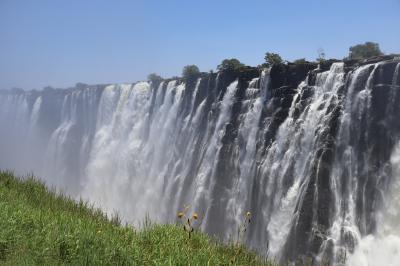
point(190, 72)
point(154, 79)
point(364, 51)
point(300, 61)
point(273, 59)
point(230, 65)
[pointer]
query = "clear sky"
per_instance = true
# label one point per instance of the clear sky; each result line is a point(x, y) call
point(61, 42)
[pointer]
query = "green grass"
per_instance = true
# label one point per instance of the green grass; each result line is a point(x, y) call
point(39, 227)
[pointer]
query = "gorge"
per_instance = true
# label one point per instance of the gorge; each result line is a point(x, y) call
point(312, 151)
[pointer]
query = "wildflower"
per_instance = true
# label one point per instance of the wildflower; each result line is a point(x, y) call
point(187, 221)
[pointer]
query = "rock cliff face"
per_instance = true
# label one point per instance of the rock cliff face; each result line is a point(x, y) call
point(309, 150)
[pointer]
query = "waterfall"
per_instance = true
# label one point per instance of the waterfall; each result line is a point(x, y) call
point(312, 153)
point(383, 247)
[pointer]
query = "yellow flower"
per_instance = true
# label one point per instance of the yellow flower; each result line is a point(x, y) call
point(99, 232)
point(180, 214)
point(195, 216)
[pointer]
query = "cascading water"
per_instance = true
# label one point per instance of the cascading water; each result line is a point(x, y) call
point(316, 162)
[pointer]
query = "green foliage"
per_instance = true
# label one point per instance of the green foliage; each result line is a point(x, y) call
point(273, 59)
point(364, 51)
point(230, 65)
point(300, 61)
point(190, 72)
point(39, 227)
point(154, 79)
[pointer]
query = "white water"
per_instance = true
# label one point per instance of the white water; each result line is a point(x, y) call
point(383, 248)
point(248, 132)
point(296, 144)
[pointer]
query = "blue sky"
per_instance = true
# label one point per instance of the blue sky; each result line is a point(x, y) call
point(59, 43)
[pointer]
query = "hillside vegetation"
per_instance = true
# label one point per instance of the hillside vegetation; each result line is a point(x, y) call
point(39, 227)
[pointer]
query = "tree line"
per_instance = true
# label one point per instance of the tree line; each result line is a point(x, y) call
point(356, 52)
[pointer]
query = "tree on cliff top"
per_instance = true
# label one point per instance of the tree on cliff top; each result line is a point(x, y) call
point(190, 72)
point(230, 65)
point(364, 51)
point(272, 59)
point(154, 79)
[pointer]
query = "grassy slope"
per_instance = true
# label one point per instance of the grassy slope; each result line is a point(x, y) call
point(39, 227)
